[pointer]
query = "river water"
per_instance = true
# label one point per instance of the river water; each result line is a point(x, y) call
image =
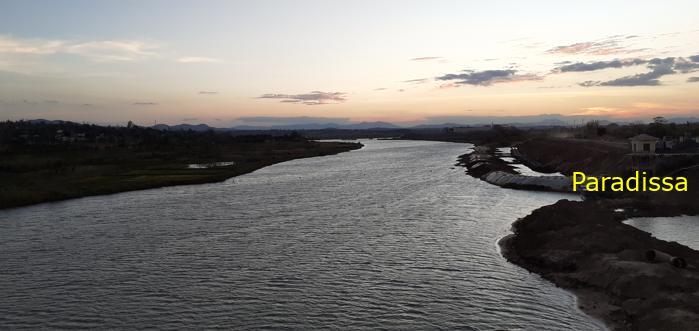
point(682, 229)
point(390, 236)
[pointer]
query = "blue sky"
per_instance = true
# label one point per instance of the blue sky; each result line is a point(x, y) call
point(399, 61)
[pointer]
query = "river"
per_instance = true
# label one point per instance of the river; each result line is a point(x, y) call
point(682, 229)
point(391, 236)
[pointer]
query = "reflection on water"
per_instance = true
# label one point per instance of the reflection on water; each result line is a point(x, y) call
point(682, 229)
point(389, 236)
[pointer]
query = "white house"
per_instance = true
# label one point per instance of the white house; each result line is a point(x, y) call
point(643, 144)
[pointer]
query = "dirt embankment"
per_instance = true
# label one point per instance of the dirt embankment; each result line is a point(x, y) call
point(585, 247)
point(568, 155)
point(597, 158)
point(483, 163)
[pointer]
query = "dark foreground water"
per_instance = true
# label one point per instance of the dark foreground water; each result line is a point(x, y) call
point(384, 237)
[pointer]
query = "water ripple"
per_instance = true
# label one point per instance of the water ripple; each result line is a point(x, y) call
point(387, 237)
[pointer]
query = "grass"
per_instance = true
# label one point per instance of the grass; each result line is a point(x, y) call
point(34, 177)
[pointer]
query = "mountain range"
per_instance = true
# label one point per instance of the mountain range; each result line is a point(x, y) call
point(550, 120)
point(289, 127)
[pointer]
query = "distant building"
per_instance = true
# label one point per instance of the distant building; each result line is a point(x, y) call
point(643, 152)
point(643, 144)
point(669, 142)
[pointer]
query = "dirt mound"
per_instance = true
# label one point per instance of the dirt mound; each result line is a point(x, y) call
point(568, 155)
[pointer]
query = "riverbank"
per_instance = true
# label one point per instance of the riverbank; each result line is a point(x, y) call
point(37, 176)
point(584, 247)
point(592, 157)
point(485, 164)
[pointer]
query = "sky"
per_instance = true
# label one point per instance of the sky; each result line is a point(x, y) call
point(272, 62)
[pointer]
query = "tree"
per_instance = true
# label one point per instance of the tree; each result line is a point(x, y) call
point(591, 129)
point(659, 120)
point(658, 128)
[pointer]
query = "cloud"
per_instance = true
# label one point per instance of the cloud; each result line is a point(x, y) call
point(426, 58)
point(644, 79)
point(100, 51)
point(16, 46)
point(380, 89)
point(208, 92)
point(693, 80)
point(311, 99)
point(448, 86)
point(607, 46)
point(694, 58)
point(599, 65)
point(659, 67)
point(596, 111)
point(554, 86)
point(190, 119)
point(590, 83)
point(198, 59)
point(416, 81)
point(487, 77)
point(144, 103)
point(686, 66)
point(108, 50)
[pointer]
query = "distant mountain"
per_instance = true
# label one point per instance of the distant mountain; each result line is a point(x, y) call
point(369, 125)
point(249, 128)
point(437, 126)
point(183, 127)
point(680, 120)
point(306, 126)
point(43, 121)
point(320, 126)
point(543, 123)
point(161, 127)
point(288, 127)
point(534, 121)
point(477, 123)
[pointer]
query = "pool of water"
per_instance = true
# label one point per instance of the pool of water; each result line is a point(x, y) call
point(682, 229)
point(505, 155)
